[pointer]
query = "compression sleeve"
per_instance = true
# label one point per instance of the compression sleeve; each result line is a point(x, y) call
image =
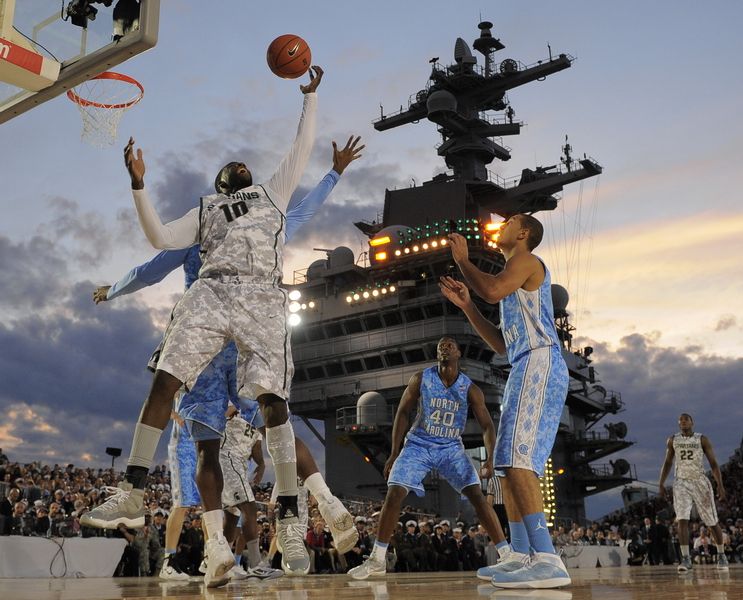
point(305, 208)
point(181, 233)
point(149, 273)
point(286, 178)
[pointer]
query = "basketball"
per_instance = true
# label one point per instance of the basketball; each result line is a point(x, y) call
point(289, 56)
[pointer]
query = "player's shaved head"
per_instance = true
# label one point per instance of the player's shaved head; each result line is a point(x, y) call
point(687, 415)
point(232, 177)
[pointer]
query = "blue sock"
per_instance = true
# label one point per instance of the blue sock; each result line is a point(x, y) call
point(519, 537)
point(539, 535)
point(238, 558)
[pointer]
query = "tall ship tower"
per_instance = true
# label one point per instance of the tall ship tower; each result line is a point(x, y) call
point(369, 323)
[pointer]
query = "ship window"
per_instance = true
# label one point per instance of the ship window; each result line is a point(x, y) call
point(334, 369)
point(373, 362)
point(414, 314)
point(392, 318)
point(431, 351)
point(315, 333)
point(373, 322)
point(315, 372)
point(451, 309)
point(394, 359)
point(353, 366)
point(487, 355)
point(300, 375)
point(473, 350)
point(415, 355)
point(353, 326)
point(434, 310)
point(299, 335)
point(333, 330)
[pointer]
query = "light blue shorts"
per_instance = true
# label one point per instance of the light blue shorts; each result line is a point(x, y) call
point(532, 404)
point(418, 459)
point(182, 459)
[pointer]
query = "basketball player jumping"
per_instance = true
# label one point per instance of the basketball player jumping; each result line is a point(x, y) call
point(441, 396)
point(691, 486)
point(534, 396)
point(237, 297)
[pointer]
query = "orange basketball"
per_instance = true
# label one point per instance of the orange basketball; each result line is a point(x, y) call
point(289, 56)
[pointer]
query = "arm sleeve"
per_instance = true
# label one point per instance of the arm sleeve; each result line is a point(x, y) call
point(303, 210)
point(286, 178)
point(150, 273)
point(181, 233)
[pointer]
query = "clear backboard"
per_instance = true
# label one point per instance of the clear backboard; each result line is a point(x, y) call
point(50, 46)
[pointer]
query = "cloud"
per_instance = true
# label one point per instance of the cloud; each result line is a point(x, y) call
point(659, 382)
point(726, 322)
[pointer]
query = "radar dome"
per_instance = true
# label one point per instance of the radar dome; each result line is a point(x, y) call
point(316, 269)
point(371, 409)
point(341, 257)
point(560, 298)
point(441, 101)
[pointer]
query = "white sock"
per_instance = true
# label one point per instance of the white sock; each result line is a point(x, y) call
point(281, 449)
point(379, 553)
point(254, 553)
point(214, 523)
point(685, 551)
point(318, 488)
point(144, 445)
point(720, 549)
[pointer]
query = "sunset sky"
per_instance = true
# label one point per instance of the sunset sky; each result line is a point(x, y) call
point(650, 251)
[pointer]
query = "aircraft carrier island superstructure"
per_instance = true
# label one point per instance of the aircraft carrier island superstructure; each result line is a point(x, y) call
point(368, 324)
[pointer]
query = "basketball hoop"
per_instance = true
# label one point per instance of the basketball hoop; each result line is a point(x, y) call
point(102, 101)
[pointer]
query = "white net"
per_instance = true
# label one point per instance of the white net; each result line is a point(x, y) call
point(102, 102)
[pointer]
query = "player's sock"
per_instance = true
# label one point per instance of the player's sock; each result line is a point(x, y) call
point(238, 559)
point(254, 553)
point(539, 535)
point(379, 553)
point(519, 537)
point(143, 450)
point(720, 549)
point(214, 523)
point(280, 443)
point(502, 548)
point(318, 488)
point(685, 551)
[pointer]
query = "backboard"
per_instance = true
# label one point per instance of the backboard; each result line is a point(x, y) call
point(40, 38)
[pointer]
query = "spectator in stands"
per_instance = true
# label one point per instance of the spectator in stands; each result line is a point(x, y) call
point(6, 510)
point(317, 542)
point(704, 549)
point(471, 558)
point(355, 556)
point(20, 523)
point(407, 549)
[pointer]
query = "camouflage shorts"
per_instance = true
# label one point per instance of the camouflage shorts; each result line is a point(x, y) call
point(210, 314)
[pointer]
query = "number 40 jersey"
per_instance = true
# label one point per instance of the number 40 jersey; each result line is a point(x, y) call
point(442, 411)
point(688, 456)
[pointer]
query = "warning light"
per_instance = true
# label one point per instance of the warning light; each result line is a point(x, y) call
point(379, 241)
point(367, 459)
point(381, 256)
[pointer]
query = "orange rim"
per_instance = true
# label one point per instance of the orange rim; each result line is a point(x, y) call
point(109, 75)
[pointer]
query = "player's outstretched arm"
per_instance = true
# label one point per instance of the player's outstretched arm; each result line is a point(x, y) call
point(666, 469)
point(476, 400)
point(457, 293)
point(142, 276)
point(286, 178)
point(304, 209)
point(492, 288)
point(408, 402)
point(716, 473)
point(180, 233)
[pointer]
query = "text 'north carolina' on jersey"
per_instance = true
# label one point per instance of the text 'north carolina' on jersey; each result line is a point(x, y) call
point(527, 319)
point(242, 234)
point(442, 411)
point(688, 454)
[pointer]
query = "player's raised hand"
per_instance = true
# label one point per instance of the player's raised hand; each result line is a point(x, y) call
point(343, 158)
point(101, 294)
point(458, 246)
point(455, 291)
point(316, 74)
point(134, 164)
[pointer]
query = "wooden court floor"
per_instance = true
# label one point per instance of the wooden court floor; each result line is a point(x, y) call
point(619, 583)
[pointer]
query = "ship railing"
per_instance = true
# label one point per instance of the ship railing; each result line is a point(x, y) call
point(607, 471)
point(498, 140)
point(360, 416)
point(595, 436)
point(503, 182)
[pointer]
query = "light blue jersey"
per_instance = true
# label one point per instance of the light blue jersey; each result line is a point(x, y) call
point(442, 411)
point(527, 319)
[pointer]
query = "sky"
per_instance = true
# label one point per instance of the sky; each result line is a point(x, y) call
point(649, 251)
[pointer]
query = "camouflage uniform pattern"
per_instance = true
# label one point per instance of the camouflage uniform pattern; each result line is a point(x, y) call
point(234, 455)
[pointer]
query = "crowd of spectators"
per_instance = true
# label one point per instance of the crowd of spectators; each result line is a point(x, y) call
point(47, 501)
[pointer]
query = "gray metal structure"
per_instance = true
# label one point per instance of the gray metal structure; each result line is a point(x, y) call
point(368, 326)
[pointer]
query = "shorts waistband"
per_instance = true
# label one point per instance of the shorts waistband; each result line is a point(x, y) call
point(240, 279)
